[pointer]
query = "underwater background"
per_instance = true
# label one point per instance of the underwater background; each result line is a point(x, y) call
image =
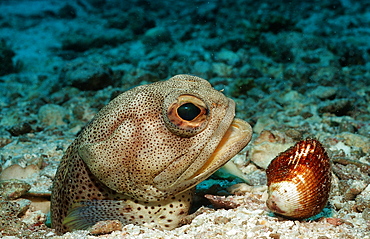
point(296, 70)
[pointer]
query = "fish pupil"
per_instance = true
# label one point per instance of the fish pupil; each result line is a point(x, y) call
point(188, 111)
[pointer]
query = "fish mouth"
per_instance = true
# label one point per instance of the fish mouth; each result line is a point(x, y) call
point(238, 136)
point(235, 138)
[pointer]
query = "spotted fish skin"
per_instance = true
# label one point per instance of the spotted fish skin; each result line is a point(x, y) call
point(164, 214)
point(139, 159)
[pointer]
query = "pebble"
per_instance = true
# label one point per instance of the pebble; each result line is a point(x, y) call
point(156, 35)
point(339, 107)
point(228, 57)
point(356, 140)
point(20, 129)
point(86, 75)
point(15, 171)
point(262, 124)
point(346, 126)
point(355, 188)
point(267, 146)
point(222, 69)
point(203, 69)
point(323, 92)
point(52, 115)
point(13, 188)
point(327, 75)
point(362, 199)
point(105, 227)
point(366, 214)
point(24, 205)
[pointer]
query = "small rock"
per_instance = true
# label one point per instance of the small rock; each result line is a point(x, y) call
point(20, 129)
point(52, 115)
point(203, 69)
point(79, 111)
point(323, 92)
point(156, 35)
point(63, 95)
point(242, 86)
point(276, 48)
point(363, 200)
point(346, 126)
point(86, 76)
point(345, 172)
point(341, 148)
point(24, 205)
point(15, 171)
point(222, 201)
point(356, 140)
point(222, 70)
point(13, 188)
point(298, 74)
point(294, 134)
point(228, 57)
point(291, 97)
point(339, 107)
point(349, 54)
point(247, 71)
point(306, 114)
point(275, 235)
point(105, 227)
point(3, 142)
point(327, 76)
point(40, 203)
point(366, 214)
point(33, 219)
point(221, 220)
point(355, 188)
point(263, 123)
point(264, 153)
point(267, 146)
point(242, 188)
point(335, 221)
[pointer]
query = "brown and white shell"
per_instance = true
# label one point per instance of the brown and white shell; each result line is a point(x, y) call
point(299, 180)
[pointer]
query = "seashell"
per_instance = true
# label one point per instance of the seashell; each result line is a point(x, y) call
point(299, 180)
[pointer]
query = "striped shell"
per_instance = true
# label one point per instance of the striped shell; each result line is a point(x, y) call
point(299, 180)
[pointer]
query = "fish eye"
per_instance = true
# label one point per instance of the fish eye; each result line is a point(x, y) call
point(187, 115)
point(188, 111)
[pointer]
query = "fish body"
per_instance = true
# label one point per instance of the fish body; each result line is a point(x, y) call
point(140, 158)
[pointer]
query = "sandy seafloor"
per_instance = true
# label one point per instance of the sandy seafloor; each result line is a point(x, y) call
point(295, 70)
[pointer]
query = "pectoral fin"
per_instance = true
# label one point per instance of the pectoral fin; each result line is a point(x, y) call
point(85, 214)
